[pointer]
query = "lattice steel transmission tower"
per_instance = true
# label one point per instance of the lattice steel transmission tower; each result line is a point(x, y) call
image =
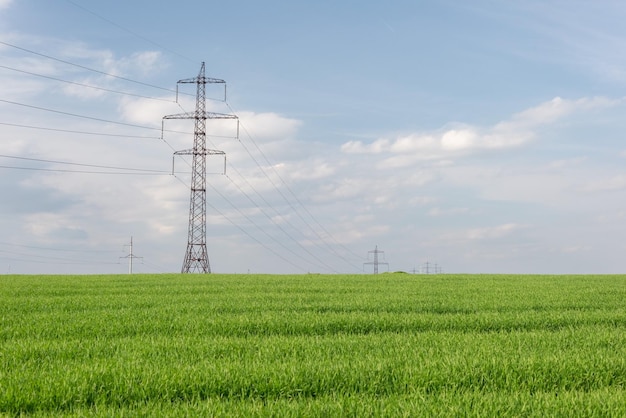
point(196, 256)
point(131, 256)
point(376, 251)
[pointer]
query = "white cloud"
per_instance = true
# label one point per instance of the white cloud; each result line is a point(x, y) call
point(268, 125)
point(342, 189)
point(358, 147)
point(79, 90)
point(316, 169)
point(271, 130)
point(47, 227)
point(617, 182)
point(553, 110)
point(515, 132)
point(150, 112)
point(413, 192)
point(459, 140)
point(144, 62)
point(411, 143)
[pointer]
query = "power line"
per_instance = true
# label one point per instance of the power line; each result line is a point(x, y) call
point(246, 232)
point(70, 262)
point(95, 71)
point(78, 116)
point(252, 222)
point(131, 256)
point(323, 240)
point(127, 171)
point(259, 206)
point(91, 117)
point(55, 248)
point(288, 201)
point(87, 68)
point(77, 132)
point(156, 267)
point(196, 255)
point(376, 261)
point(273, 238)
point(135, 171)
point(196, 258)
point(271, 219)
point(78, 171)
point(84, 165)
point(87, 85)
point(129, 31)
point(62, 260)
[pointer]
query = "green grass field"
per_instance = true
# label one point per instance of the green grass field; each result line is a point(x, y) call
point(313, 345)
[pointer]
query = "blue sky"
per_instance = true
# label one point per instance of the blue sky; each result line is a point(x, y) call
point(482, 136)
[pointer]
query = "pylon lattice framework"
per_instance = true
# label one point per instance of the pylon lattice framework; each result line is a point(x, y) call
point(376, 251)
point(196, 257)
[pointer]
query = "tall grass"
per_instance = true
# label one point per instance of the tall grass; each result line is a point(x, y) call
point(313, 345)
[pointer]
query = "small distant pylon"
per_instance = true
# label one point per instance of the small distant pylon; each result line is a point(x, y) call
point(131, 256)
point(196, 257)
point(376, 262)
point(431, 268)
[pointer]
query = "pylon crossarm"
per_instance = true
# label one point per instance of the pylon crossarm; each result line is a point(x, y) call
point(191, 152)
point(205, 152)
point(206, 81)
point(196, 80)
point(206, 115)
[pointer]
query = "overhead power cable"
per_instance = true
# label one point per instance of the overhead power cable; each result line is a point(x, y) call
point(266, 233)
point(60, 260)
point(79, 116)
point(77, 132)
point(56, 249)
point(144, 127)
point(91, 117)
point(288, 201)
point(55, 170)
point(91, 69)
point(272, 219)
point(260, 207)
point(306, 250)
point(129, 31)
point(270, 249)
point(87, 85)
point(139, 170)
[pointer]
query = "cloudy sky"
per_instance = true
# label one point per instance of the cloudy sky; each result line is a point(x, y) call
point(477, 137)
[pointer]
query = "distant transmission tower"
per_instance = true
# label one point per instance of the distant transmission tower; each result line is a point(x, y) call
point(375, 251)
point(131, 256)
point(196, 256)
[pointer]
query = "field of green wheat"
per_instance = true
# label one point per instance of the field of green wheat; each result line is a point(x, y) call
point(313, 345)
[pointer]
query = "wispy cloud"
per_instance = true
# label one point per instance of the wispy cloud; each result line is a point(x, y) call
point(517, 131)
point(574, 34)
point(614, 183)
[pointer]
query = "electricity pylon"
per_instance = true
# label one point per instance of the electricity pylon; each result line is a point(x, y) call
point(196, 256)
point(131, 256)
point(375, 251)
